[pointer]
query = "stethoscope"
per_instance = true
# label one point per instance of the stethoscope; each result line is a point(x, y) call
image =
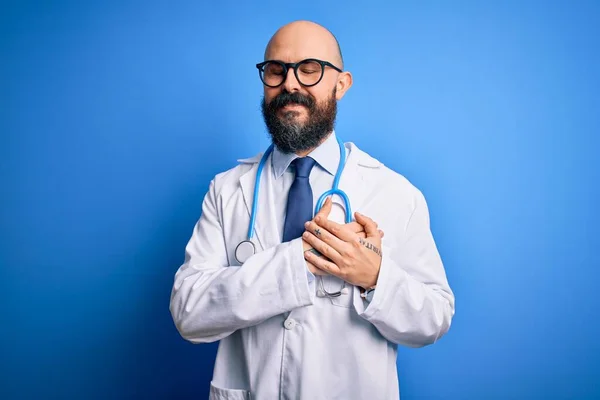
point(246, 248)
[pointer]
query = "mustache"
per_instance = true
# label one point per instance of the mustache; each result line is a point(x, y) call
point(285, 98)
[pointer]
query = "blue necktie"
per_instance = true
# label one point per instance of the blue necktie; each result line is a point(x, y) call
point(300, 200)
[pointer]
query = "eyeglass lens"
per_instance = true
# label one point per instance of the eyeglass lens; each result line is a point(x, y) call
point(308, 73)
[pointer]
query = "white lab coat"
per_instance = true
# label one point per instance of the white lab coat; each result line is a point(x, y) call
point(278, 339)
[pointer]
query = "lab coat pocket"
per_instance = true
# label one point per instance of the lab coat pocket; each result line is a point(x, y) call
point(217, 393)
point(333, 284)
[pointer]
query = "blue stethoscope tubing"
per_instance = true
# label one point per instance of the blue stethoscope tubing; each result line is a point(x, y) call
point(246, 249)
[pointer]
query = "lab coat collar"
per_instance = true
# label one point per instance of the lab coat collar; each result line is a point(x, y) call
point(362, 158)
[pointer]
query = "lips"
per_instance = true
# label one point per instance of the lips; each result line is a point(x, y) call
point(291, 105)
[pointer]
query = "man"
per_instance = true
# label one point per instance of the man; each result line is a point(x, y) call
point(317, 311)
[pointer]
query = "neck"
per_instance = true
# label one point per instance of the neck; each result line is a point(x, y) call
point(304, 153)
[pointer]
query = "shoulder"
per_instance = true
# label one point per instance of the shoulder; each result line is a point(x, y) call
point(231, 177)
point(389, 179)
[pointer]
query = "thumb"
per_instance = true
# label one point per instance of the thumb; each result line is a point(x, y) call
point(325, 209)
point(370, 225)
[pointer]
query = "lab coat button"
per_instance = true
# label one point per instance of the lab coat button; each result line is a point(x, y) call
point(289, 324)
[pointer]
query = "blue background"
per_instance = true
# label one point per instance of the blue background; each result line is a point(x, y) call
point(115, 116)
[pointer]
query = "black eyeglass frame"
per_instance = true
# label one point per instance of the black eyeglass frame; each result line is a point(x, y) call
point(294, 66)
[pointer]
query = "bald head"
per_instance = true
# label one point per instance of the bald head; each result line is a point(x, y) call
point(300, 107)
point(304, 39)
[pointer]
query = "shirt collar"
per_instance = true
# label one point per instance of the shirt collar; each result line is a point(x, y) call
point(327, 155)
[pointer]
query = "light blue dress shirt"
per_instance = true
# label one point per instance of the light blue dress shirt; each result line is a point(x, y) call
point(327, 156)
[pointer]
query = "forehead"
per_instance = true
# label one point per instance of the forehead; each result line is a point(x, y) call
point(294, 48)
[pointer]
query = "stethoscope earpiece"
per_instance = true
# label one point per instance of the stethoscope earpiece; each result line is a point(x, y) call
point(343, 290)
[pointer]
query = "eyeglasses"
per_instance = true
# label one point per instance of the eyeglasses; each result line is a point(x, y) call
point(308, 72)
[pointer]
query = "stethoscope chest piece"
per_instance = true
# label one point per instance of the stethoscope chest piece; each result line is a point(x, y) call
point(244, 251)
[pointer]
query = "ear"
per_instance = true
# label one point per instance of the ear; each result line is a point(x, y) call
point(344, 83)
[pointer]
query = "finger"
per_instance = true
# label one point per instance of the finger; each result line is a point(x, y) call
point(320, 246)
point(339, 231)
point(359, 229)
point(369, 225)
point(328, 267)
point(313, 269)
point(325, 209)
point(354, 227)
point(331, 245)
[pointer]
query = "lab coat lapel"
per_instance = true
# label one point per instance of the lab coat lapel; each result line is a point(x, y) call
point(353, 181)
point(265, 227)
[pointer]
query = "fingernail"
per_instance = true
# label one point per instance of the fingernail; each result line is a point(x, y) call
point(306, 224)
point(305, 235)
point(318, 219)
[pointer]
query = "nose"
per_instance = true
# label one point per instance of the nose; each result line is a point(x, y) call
point(291, 84)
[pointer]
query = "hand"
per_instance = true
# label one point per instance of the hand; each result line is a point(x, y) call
point(347, 255)
point(352, 227)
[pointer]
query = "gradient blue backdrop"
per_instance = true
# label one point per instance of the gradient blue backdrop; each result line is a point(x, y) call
point(115, 116)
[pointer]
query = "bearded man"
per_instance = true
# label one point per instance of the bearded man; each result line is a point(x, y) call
point(309, 297)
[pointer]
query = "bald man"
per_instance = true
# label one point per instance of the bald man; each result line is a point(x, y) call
point(310, 306)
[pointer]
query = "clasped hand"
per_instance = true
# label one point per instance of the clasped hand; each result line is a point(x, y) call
point(351, 252)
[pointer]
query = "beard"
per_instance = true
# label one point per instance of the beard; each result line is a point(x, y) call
point(292, 136)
